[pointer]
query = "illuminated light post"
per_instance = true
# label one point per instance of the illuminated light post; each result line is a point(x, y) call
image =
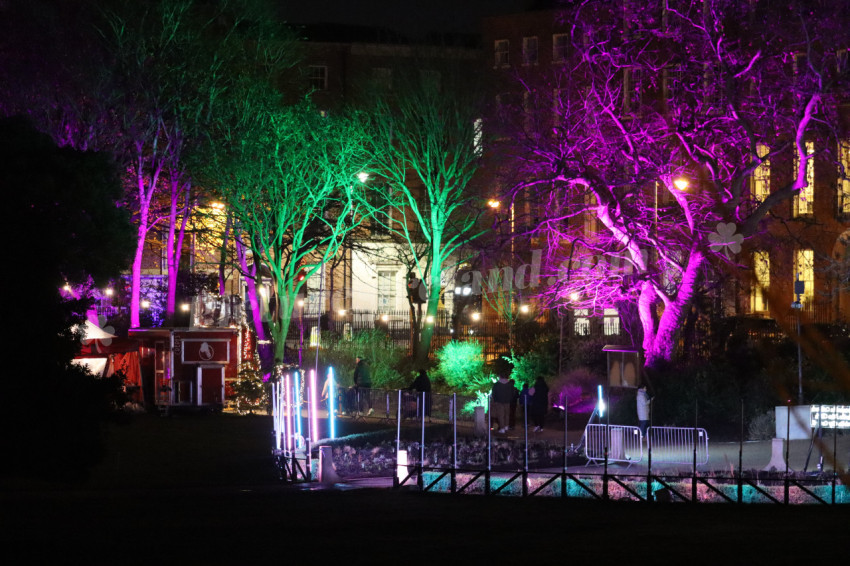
point(313, 408)
point(287, 407)
point(523, 309)
point(145, 304)
point(331, 397)
point(296, 395)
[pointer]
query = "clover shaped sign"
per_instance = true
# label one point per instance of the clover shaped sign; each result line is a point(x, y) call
point(726, 239)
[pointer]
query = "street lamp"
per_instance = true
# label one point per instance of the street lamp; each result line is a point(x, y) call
point(681, 184)
point(799, 290)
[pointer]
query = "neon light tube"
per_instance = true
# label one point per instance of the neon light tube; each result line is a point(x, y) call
point(288, 407)
point(331, 397)
point(601, 403)
point(296, 396)
point(312, 408)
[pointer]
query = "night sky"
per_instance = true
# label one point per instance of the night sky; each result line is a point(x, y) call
point(413, 18)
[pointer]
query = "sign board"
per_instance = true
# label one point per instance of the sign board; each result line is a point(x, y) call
point(623, 366)
point(830, 416)
point(200, 350)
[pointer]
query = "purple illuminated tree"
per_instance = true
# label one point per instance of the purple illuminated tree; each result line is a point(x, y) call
point(176, 63)
point(640, 147)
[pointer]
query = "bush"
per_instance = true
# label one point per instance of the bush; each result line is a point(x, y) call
point(384, 358)
point(576, 390)
point(762, 427)
point(462, 367)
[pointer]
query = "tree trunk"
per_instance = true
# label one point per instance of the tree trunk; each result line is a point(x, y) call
point(427, 333)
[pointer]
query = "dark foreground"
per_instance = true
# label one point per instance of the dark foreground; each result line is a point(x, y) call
point(216, 510)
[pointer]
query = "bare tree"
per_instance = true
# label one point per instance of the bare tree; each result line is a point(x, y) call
point(427, 151)
point(290, 178)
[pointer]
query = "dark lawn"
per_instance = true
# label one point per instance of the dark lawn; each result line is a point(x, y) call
point(201, 490)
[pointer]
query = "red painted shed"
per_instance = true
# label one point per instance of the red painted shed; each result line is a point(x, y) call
point(187, 367)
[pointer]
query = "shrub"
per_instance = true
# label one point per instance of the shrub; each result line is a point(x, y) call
point(461, 366)
point(384, 358)
point(576, 390)
point(763, 427)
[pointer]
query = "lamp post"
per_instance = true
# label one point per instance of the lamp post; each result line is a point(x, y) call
point(799, 290)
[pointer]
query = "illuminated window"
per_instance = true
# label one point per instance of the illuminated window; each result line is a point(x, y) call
point(804, 200)
point(633, 95)
point(589, 215)
point(760, 182)
point(502, 50)
point(761, 282)
point(529, 50)
point(800, 63)
point(582, 322)
point(804, 264)
point(478, 136)
point(317, 75)
point(560, 45)
point(386, 290)
point(610, 322)
point(844, 177)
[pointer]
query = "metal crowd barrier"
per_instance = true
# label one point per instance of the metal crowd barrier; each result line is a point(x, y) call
point(623, 443)
point(676, 445)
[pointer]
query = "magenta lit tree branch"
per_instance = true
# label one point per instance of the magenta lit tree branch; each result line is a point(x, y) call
point(641, 147)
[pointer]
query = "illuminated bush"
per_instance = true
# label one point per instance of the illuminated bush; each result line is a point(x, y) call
point(461, 366)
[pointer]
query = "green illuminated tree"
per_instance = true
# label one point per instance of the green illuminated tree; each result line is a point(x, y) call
point(427, 152)
point(289, 177)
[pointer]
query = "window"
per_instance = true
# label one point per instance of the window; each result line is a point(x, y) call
point(529, 50)
point(478, 137)
point(528, 109)
point(804, 265)
point(560, 44)
point(383, 77)
point(761, 281)
point(673, 79)
point(581, 322)
point(844, 177)
point(610, 322)
point(713, 89)
point(800, 63)
point(590, 216)
point(502, 50)
point(386, 290)
point(633, 95)
point(804, 200)
point(558, 106)
point(760, 181)
point(317, 76)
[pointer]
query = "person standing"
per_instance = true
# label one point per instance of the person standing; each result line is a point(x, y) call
point(362, 384)
point(539, 402)
point(422, 385)
point(501, 397)
point(643, 403)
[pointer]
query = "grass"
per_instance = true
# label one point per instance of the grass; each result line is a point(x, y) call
point(201, 490)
